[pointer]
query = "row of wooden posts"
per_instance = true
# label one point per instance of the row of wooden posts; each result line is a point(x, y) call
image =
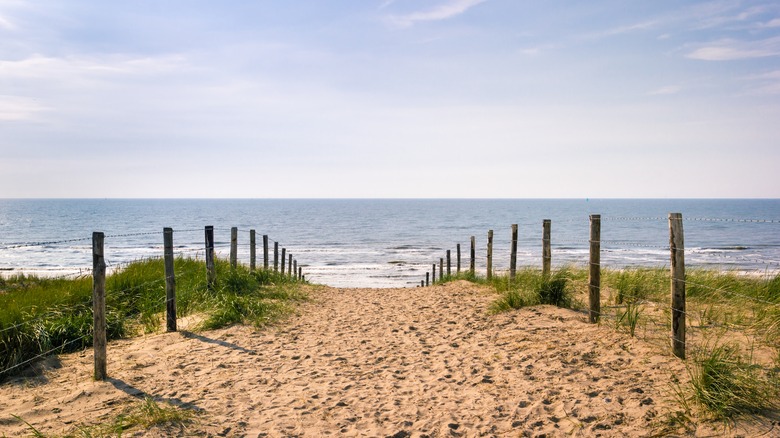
point(430, 277)
point(99, 279)
point(676, 246)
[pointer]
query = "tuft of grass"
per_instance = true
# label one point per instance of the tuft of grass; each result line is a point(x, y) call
point(552, 289)
point(39, 315)
point(628, 318)
point(512, 299)
point(637, 283)
point(530, 287)
point(33, 431)
point(146, 414)
point(229, 309)
point(245, 297)
point(728, 385)
point(150, 414)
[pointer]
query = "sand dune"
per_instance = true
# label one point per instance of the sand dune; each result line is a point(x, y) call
point(425, 362)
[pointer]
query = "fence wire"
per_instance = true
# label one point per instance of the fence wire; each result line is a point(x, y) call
point(44, 354)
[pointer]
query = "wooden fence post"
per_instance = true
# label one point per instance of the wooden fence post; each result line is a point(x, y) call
point(594, 283)
point(284, 258)
point(490, 255)
point(434, 274)
point(427, 278)
point(295, 268)
point(233, 247)
point(300, 273)
point(99, 305)
point(441, 268)
point(457, 248)
point(677, 247)
point(473, 262)
point(546, 250)
point(211, 273)
point(170, 281)
point(276, 256)
point(513, 254)
point(265, 252)
point(449, 263)
point(290, 266)
point(252, 251)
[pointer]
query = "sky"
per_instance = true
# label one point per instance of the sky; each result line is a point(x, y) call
point(389, 99)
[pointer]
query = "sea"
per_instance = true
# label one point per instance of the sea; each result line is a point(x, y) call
point(389, 242)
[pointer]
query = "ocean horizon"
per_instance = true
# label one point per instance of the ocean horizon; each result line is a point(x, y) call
point(389, 242)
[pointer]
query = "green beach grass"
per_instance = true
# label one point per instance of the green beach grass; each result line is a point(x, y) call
point(731, 317)
point(42, 315)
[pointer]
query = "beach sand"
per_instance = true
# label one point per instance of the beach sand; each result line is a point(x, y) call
point(376, 362)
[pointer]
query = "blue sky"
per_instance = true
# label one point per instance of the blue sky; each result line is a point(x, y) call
point(432, 98)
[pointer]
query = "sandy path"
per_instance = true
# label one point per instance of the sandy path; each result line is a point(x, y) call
point(374, 362)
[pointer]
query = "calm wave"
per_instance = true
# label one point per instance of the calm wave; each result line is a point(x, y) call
point(390, 243)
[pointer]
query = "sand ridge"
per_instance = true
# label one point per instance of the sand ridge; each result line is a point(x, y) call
point(423, 362)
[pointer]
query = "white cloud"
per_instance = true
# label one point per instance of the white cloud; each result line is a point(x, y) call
point(386, 3)
point(620, 30)
point(721, 13)
point(772, 75)
point(16, 108)
point(38, 66)
point(765, 83)
point(771, 23)
point(669, 89)
point(729, 50)
point(531, 51)
point(442, 12)
point(6, 24)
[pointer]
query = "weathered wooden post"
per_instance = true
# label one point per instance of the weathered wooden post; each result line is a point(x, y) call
point(473, 262)
point(434, 274)
point(295, 268)
point(546, 250)
point(490, 255)
point(457, 249)
point(290, 266)
point(211, 273)
point(265, 252)
point(170, 281)
point(677, 247)
point(427, 278)
point(276, 256)
point(99, 305)
point(594, 282)
point(513, 254)
point(441, 268)
point(252, 251)
point(233, 247)
point(300, 273)
point(449, 263)
point(284, 258)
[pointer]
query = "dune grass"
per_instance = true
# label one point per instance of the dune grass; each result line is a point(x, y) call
point(729, 384)
point(143, 415)
point(726, 381)
point(714, 298)
point(39, 315)
point(528, 288)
